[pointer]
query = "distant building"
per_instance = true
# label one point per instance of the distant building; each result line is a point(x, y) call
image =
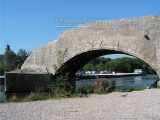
point(7, 48)
point(88, 72)
point(139, 71)
point(1, 57)
point(105, 72)
point(80, 73)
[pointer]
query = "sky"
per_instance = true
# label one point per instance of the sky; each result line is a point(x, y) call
point(31, 24)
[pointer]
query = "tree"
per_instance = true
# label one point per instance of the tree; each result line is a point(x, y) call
point(62, 80)
point(1, 68)
point(87, 67)
point(9, 61)
point(100, 67)
point(21, 57)
point(124, 64)
point(93, 68)
point(62, 55)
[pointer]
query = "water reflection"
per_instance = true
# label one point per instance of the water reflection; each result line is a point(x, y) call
point(2, 93)
point(126, 82)
point(138, 80)
point(120, 81)
point(4, 96)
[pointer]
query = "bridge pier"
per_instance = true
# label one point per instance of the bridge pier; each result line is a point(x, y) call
point(27, 82)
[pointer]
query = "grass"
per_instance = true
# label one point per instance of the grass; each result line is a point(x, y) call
point(33, 96)
point(36, 96)
point(158, 87)
point(124, 95)
point(129, 89)
point(85, 91)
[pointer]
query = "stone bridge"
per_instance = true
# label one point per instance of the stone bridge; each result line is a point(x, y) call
point(139, 37)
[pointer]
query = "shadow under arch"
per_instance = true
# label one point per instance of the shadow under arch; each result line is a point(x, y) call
point(73, 64)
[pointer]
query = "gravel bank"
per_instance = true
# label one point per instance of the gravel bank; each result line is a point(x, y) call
point(135, 105)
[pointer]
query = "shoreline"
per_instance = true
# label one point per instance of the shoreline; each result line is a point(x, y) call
point(117, 105)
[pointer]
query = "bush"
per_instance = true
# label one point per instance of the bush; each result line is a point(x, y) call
point(131, 89)
point(85, 88)
point(61, 93)
point(62, 82)
point(101, 85)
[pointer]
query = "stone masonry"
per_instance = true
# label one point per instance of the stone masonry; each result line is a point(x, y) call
point(139, 37)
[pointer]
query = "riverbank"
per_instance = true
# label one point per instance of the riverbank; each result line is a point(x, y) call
point(115, 75)
point(117, 105)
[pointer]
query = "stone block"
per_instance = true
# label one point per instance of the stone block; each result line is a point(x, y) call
point(22, 83)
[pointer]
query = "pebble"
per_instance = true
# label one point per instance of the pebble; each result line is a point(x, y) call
point(135, 105)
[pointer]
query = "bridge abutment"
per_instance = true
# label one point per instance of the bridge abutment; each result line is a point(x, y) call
point(27, 82)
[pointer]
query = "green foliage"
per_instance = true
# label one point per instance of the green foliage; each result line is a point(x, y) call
point(61, 93)
point(62, 80)
point(21, 57)
point(128, 65)
point(9, 61)
point(34, 96)
point(12, 61)
point(96, 64)
point(130, 89)
point(100, 60)
point(85, 88)
point(40, 95)
point(100, 67)
point(89, 67)
point(1, 68)
point(124, 64)
point(124, 95)
point(158, 87)
point(61, 58)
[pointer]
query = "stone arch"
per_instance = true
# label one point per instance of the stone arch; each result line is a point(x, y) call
point(139, 37)
point(74, 63)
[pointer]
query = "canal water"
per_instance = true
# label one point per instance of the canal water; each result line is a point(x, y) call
point(126, 82)
point(123, 82)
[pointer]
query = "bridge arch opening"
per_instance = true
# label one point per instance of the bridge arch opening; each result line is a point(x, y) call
point(119, 63)
point(75, 63)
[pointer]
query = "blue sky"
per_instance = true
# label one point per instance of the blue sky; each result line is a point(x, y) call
point(31, 24)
